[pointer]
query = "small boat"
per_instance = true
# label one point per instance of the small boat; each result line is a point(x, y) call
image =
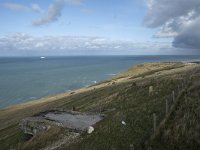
point(42, 57)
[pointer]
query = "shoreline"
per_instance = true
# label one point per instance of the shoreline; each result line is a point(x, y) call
point(128, 90)
point(53, 97)
point(67, 91)
point(60, 94)
point(101, 84)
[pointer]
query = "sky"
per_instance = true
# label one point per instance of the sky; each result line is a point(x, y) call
point(99, 27)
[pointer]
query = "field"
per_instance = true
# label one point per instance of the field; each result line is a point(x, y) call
point(124, 98)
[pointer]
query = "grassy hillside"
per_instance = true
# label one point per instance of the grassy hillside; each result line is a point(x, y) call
point(182, 129)
point(128, 101)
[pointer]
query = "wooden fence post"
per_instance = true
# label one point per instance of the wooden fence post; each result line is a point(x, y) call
point(178, 89)
point(167, 107)
point(185, 99)
point(182, 86)
point(131, 146)
point(190, 77)
point(154, 122)
point(173, 96)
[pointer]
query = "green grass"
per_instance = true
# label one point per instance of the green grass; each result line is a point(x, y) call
point(182, 129)
point(42, 140)
point(175, 66)
point(135, 107)
point(130, 102)
point(148, 69)
point(10, 137)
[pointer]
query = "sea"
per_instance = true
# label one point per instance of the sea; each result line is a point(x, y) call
point(24, 79)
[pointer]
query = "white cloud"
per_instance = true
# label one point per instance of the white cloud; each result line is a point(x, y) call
point(73, 2)
point(36, 8)
point(87, 10)
point(20, 7)
point(179, 19)
point(54, 11)
point(21, 43)
point(52, 14)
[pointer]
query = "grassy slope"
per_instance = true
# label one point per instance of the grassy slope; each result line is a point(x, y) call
point(135, 107)
point(131, 103)
point(182, 129)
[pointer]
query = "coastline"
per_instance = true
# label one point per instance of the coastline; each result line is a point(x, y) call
point(27, 84)
point(57, 82)
point(136, 71)
point(103, 97)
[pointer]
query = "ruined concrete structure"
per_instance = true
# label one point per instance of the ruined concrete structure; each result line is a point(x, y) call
point(34, 125)
point(75, 121)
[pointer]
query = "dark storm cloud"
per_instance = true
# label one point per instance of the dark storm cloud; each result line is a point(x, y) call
point(189, 37)
point(179, 19)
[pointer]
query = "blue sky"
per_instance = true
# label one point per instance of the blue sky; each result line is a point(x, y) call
point(111, 18)
point(84, 27)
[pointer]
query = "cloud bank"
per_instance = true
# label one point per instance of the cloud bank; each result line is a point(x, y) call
point(24, 44)
point(179, 19)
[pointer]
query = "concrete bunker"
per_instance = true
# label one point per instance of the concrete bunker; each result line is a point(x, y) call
point(71, 120)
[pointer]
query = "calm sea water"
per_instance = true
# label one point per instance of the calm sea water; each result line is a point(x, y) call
point(25, 79)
